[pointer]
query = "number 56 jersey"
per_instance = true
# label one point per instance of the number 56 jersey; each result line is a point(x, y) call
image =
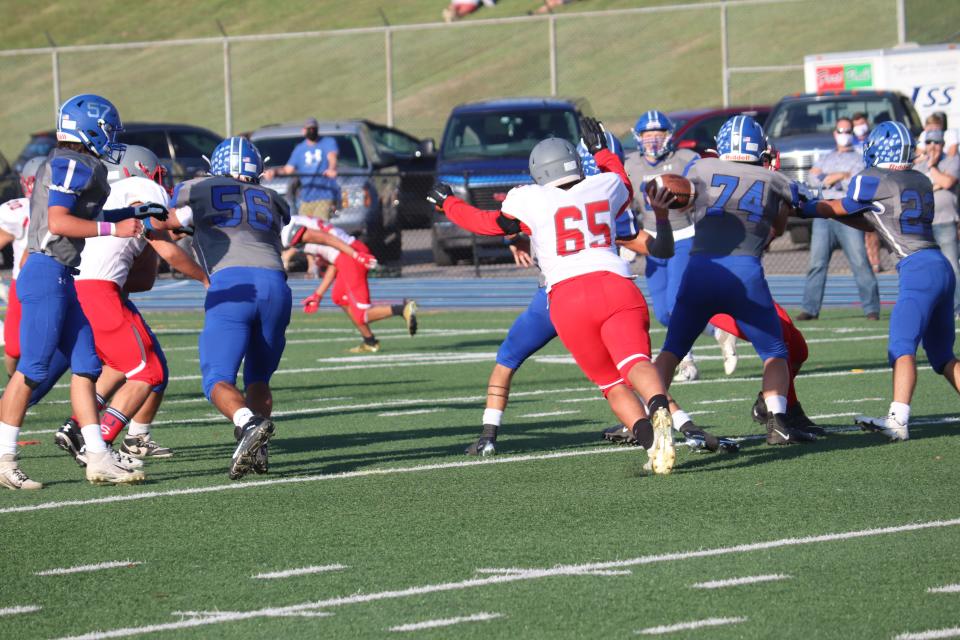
point(236, 224)
point(736, 204)
point(572, 230)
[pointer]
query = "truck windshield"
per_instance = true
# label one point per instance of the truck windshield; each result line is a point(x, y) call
point(792, 118)
point(505, 134)
point(279, 149)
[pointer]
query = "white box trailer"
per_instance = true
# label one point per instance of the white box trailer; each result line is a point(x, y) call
point(929, 75)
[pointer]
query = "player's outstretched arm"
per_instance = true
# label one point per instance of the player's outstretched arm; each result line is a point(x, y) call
point(316, 236)
point(480, 221)
point(661, 246)
point(143, 272)
point(312, 302)
point(61, 222)
point(176, 257)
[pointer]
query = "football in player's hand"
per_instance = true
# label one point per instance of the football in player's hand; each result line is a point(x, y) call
point(680, 187)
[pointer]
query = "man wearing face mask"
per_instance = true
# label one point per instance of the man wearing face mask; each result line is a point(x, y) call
point(314, 161)
point(861, 130)
point(832, 173)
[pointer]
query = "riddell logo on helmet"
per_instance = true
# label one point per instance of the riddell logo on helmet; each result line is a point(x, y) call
point(499, 197)
point(830, 78)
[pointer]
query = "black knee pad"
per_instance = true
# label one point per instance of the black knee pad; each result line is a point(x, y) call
point(33, 384)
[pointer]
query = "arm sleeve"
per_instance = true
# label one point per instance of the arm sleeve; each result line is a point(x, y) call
point(860, 194)
point(608, 162)
point(480, 221)
point(67, 179)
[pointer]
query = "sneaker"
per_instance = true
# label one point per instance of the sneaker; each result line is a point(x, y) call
point(661, 453)
point(256, 433)
point(124, 460)
point(686, 371)
point(69, 438)
point(619, 434)
point(482, 447)
point(888, 426)
point(797, 419)
point(779, 433)
point(363, 347)
point(728, 347)
point(12, 477)
point(410, 316)
point(803, 316)
point(103, 467)
point(143, 446)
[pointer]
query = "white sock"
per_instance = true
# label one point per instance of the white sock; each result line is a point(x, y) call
point(776, 404)
point(8, 438)
point(492, 416)
point(138, 428)
point(93, 439)
point(688, 357)
point(242, 416)
point(680, 418)
point(900, 411)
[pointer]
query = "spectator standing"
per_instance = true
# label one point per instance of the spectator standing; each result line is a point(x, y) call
point(314, 161)
point(861, 131)
point(944, 172)
point(938, 121)
point(833, 172)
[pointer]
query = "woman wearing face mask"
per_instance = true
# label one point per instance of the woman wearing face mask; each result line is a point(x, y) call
point(832, 173)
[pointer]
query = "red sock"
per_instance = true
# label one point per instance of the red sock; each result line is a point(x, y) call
point(112, 424)
point(101, 403)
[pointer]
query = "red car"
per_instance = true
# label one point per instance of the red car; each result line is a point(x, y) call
point(696, 128)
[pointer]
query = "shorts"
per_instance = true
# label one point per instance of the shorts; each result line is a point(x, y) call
point(924, 309)
point(602, 319)
point(734, 285)
point(350, 289)
point(11, 324)
point(120, 333)
point(322, 209)
point(247, 313)
point(51, 320)
point(529, 333)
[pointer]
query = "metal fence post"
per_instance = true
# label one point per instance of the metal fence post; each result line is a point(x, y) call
point(552, 38)
point(725, 63)
point(388, 47)
point(901, 23)
point(55, 61)
point(227, 83)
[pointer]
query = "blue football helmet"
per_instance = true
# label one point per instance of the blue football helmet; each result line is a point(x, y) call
point(94, 122)
point(586, 158)
point(741, 139)
point(238, 158)
point(889, 146)
point(654, 121)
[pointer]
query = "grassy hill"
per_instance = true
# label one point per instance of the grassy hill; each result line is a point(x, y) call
point(623, 63)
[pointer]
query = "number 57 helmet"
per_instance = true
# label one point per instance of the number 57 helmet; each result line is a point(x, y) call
point(94, 122)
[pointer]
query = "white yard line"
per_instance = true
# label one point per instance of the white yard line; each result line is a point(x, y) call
point(412, 412)
point(29, 608)
point(510, 576)
point(688, 626)
point(723, 400)
point(933, 634)
point(950, 588)
point(302, 571)
point(446, 622)
point(88, 567)
point(857, 400)
point(547, 414)
point(736, 582)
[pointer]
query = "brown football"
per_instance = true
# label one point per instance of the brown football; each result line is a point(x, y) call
point(680, 187)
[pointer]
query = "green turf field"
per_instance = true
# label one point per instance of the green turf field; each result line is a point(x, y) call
point(559, 536)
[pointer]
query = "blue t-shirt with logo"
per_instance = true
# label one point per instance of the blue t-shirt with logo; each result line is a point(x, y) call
point(309, 159)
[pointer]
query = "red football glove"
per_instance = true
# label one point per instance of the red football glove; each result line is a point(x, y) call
point(311, 303)
point(367, 260)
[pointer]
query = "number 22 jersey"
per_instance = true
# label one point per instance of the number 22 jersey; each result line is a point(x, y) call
point(236, 224)
point(572, 230)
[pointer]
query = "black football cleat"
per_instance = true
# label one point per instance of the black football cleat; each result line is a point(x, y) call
point(619, 434)
point(255, 434)
point(69, 438)
point(778, 433)
point(482, 447)
point(759, 410)
point(797, 419)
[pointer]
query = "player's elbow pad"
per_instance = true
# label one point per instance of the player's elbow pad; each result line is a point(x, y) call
point(509, 226)
point(662, 245)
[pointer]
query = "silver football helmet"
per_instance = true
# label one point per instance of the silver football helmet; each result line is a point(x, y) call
point(555, 162)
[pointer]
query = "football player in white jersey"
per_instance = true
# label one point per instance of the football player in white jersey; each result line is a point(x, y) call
point(347, 273)
point(14, 220)
point(135, 373)
point(598, 312)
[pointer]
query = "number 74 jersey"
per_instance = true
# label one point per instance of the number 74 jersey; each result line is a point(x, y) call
point(572, 230)
point(236, 224)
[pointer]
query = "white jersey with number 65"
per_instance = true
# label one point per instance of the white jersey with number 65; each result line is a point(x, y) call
point(572, 230)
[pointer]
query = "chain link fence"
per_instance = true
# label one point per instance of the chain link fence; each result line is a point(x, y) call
point(624, 61)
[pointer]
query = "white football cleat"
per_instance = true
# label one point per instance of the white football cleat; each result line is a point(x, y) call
point(103, 468)
point(728, 347)
point(686, 371)
point(12, 477)
point(888, 426)
point(661, 454)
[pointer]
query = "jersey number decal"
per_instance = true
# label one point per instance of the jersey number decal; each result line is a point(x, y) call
point(750, 203)
point(227, 199)
point(917, 213)
point(571, 240)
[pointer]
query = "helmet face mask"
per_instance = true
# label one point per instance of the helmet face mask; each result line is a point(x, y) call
point(889, 146)
point(28, 175)
point(555, 162)
point(94, 122)
point(653, 133)
point(137, 162)
point(237, 158)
